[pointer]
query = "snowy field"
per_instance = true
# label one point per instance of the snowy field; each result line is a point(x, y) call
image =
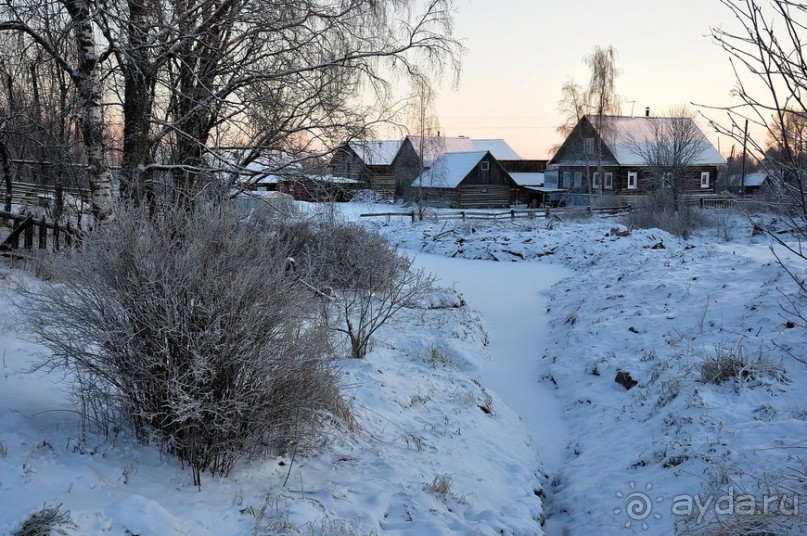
point(491, 408)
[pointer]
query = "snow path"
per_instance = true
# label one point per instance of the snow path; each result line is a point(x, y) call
point(510, 296)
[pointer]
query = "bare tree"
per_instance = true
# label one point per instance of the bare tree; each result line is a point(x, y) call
point(767, 54)
point(193, 79)
point(598, 100)
point(82, 64)
point(669, 148)
point(426, 125)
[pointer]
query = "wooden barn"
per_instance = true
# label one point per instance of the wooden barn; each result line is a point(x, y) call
point(370, 162)
point(466, 180)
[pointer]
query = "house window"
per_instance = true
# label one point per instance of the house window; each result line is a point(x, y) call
point(666, 180)
point(633, 180)
point(595, 180)
point(704, 179)
point(588, 145)
point(485, 166)
point(567, 178)
point(578, 179)
point(609, 180)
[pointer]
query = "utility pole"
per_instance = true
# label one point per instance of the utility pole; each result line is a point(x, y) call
point(745, 144)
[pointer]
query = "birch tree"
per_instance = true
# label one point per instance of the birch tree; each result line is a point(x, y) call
point(84, 70)
point(195, 79)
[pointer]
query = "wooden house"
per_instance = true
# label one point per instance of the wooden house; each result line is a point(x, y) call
point(609, 155)
point(419, 153)
point(370, 162)
point(465, 180)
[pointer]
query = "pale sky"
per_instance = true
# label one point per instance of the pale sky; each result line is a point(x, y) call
point(520, 52)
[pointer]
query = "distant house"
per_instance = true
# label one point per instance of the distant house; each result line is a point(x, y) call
point(465, 180)
point(620, 167)
point(326, 188)
point(419, 153)
point(370, 162)
point(754, 182)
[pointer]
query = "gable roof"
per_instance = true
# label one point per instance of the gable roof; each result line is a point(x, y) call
point(622, 134)
point(450, 169)
point(435, 146)
point(756, 179)
point(376, 152)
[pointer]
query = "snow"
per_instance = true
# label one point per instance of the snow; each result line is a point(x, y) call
point(449, 170)
point(500, 385)
point(435, 147)
point(376, 152)
point(623, 135)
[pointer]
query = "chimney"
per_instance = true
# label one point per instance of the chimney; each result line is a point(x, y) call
point(647, 111)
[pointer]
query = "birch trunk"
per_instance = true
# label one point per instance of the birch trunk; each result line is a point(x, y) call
point(91, 121)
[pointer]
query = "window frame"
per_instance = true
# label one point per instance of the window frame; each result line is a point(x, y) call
point(484, 165)
point(595, 179)
point(705, 175)
point(609, 180)
point(633, 180)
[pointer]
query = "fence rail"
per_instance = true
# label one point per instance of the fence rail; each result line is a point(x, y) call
point(38, 232)
point(43, 194)
point(510, 214)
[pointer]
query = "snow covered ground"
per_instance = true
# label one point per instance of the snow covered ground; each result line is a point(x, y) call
point(491, 412)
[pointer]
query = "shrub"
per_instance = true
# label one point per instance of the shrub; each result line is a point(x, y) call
point(656, 212)
point(367, 280)
point(188, 326)
point(47, 521)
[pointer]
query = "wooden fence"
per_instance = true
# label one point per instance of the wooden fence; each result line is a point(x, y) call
point(510, 214)
point(36, 232)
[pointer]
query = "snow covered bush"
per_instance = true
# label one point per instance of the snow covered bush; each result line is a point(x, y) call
point(189, 327)
point(656, 212)
point(367, 280)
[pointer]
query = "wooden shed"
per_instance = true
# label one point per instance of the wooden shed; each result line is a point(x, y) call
point(466, 180)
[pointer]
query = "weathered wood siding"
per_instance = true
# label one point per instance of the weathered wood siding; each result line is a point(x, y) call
point(479, 195)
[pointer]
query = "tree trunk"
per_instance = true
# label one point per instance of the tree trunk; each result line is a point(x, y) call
point(91, 121)
point(5, 160)
point(137, 107)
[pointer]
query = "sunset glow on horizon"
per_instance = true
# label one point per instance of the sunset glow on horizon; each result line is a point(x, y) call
point(520, 53)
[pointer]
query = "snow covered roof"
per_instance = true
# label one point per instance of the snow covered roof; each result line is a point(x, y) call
point(376, 152)
point(624, 136)
point(528, 179)
point(434, 146)
point(756, 179)
point(450, 169)
point(498, 148)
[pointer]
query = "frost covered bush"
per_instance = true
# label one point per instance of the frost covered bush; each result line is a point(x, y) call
point(366, 279)
point(656, 212)
point(190, 328)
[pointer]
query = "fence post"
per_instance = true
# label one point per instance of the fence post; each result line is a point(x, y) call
point(413, 216)
point(43, 234)
point(512, 214)
point(68, 235)
point(56, 232)
point(463, 215)
point(29, 235)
